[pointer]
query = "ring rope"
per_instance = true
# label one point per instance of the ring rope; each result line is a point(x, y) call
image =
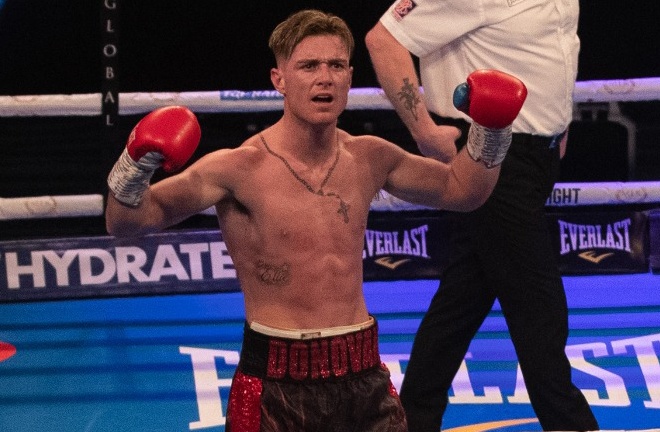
point(564, 194)
point(367, 98)
point(43, 207)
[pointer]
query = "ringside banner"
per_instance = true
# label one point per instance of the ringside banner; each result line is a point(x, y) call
point(403, 248)
point(176, 262)
point(601, 242)
point(654, 241)
point(164, 263)
point(192, 261)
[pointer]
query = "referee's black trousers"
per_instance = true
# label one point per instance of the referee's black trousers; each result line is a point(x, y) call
point(501, 251)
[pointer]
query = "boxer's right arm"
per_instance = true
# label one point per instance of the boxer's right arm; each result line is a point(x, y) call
point(166, 137)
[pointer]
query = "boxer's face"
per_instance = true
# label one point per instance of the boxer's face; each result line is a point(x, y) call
point(316, 79)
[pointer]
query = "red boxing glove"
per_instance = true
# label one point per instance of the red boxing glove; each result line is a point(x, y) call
point(491, 98)
point(171, 131)
point(166, 137)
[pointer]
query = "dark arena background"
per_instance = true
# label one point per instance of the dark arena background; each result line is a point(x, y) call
point(91, 341)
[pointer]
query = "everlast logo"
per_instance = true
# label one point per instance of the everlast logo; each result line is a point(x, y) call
point(411, 242)
point(323, 358)
point(576, 237)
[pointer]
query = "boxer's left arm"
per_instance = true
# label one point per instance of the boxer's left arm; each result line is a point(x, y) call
point(493, 100)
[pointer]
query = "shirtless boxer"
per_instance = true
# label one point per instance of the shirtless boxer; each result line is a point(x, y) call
point(292, 204)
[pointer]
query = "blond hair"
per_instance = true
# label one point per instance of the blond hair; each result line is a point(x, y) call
point(290, 32)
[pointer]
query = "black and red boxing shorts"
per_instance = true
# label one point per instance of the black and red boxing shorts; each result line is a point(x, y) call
point(314, 383)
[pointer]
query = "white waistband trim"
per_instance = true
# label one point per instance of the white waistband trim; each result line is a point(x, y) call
point(310, 333)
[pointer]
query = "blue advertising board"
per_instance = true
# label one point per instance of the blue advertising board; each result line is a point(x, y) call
point(91, 267)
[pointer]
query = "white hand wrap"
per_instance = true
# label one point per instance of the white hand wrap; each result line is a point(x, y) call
point(488, 145)
point(129, 179)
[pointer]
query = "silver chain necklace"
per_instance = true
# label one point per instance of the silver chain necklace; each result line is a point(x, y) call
point(343, 206)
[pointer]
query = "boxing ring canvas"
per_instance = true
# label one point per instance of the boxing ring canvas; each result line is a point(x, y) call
point(164, 363)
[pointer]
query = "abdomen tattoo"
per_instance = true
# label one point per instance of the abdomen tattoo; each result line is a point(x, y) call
point(272, 274)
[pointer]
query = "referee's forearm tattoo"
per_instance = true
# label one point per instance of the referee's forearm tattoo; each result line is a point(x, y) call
point(410, 97)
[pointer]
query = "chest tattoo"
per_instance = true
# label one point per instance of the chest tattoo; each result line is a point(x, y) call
point(343, 206)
